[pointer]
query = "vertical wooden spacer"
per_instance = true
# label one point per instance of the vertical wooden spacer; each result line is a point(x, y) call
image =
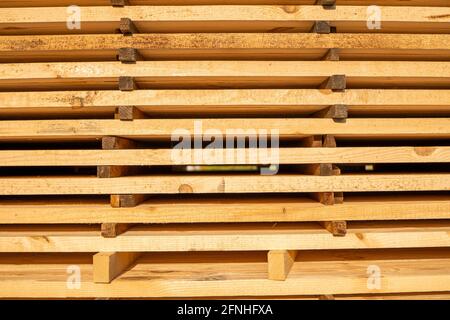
point(127, 27)
point(128, 55)
point(127, 84)
point(327, 4)
point(332, 55)
point(337, 82)
point(280, 263)
point(321, 27)
point(336, 228)
point(329, 141)
point(127, 200)
point(112, 230)
point(109, 265)
point(122, 200)
point(111, 143)
point(338, 112)
point(311, 142)
point(129, 113)
point(119, 3)
point(322, 169)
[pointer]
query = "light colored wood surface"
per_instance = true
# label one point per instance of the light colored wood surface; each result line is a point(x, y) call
point(202, 41)
point(239, 183)
point(226, 74)
point(164, 128)
point(243, 102)
point(47, 3)
point(220, 274)
point(233, 237)
point(258, 46)
point(256, 18)
point(139, 157)
point(280, 263)
point(226, 209)
point(109, 265)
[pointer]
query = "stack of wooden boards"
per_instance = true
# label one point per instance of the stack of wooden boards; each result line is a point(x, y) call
point(93, 205)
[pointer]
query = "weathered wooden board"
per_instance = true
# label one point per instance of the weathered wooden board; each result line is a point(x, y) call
point(212, 46)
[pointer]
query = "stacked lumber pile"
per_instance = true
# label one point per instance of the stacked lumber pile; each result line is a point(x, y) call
point(355, 99)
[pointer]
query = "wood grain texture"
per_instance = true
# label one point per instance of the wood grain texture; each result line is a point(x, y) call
point(109, 265)
point(55, 130)
point(112, 230)
point(231, 101)
point(226, 74)
point(256, 18)
point(227, 209)
point(233, 237)
point(402, 272)
point(54, 3)
point(226, 46)
point(173, 184)
point(280, 263)
point(148, 157)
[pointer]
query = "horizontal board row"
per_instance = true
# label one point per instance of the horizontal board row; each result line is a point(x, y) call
point(217, 46)
point(275, 102)
point(55, 3)
point(229, 274)
point(72, 130)
point(231, 18)
point(225, 208)
point(226, 237)
point(158, 157)
point(238, 183)
point(225, 74)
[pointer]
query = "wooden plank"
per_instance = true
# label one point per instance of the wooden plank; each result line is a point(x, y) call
point(233, 74)
point(109, 265)
point(174, 184)
point(242, 101)
point(233, 237)
point(232, 18)
point(164, 128)
point(158, 157)
point(223, 275)
point(280, 263)
point(220, 46)
point(63, 3)
point(227, 209)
